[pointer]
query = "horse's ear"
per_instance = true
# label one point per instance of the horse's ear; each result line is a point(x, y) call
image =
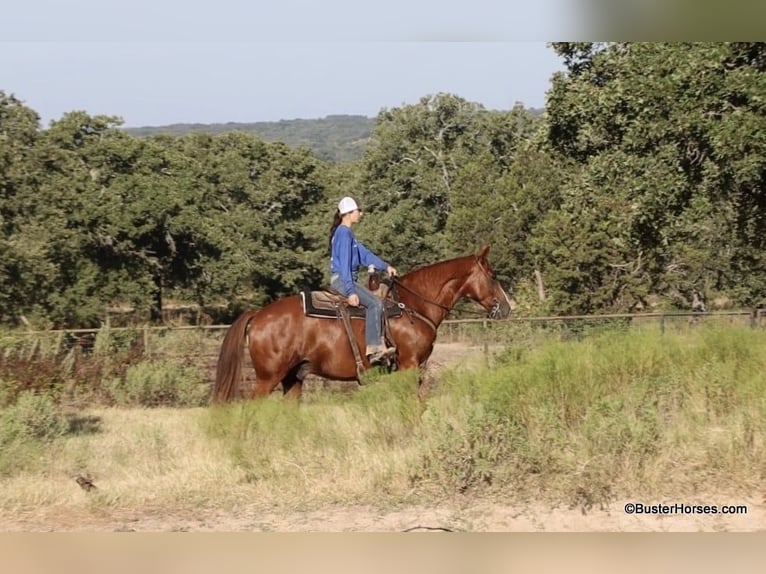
point(483, 252)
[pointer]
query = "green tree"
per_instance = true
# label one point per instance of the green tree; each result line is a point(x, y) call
point(84, 159)
point(674, 134)
point(504, 191)
point(409, 171)
point(24, 270)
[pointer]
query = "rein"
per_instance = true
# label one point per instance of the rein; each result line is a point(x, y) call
point(395, 280)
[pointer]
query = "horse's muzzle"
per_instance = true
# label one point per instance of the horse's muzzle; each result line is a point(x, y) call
point(496, 311)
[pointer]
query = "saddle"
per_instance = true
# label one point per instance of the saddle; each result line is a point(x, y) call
point(330, 304)
point(324, 304)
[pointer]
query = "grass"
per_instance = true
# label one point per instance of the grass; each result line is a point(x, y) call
point(579, 422)
point(612, 415)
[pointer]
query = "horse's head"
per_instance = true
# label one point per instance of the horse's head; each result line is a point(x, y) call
point(484, 288)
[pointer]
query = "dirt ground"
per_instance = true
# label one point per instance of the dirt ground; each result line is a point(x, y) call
point(468, 516)
point(460, 516)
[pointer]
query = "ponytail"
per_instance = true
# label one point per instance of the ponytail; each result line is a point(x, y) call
point(335, 223)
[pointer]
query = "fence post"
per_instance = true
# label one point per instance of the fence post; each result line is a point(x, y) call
point(486, 341)
point(753, 316)
point(662, 323)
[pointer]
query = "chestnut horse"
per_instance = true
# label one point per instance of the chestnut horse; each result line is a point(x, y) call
point(285, 345)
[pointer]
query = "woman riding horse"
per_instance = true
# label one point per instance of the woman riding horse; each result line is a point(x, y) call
point(347, 254)
point(285, 345)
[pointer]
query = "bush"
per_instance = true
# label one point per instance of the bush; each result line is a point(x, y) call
point(32, 417)
point(157, 383)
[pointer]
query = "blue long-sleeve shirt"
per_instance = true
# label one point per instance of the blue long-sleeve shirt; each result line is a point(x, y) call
point(348, 254)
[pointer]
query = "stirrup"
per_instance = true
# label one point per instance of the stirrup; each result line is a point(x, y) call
point(381, 355)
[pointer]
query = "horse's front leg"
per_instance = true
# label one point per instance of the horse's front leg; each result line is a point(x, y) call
point(425, 377)
point(426, 380)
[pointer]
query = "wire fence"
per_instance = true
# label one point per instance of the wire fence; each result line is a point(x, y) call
point(199, 345)
point(459, 329)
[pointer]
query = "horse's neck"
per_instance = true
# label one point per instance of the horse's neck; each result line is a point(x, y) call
point(439, 283)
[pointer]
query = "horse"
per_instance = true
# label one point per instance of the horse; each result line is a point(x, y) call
point(285, 344)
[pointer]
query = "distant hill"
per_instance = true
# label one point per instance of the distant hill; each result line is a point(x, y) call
point(333, 138)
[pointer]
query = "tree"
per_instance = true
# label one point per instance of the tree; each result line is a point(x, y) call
point(502, 193)
point(676, 133)
point(24, 273)
point(409, 170)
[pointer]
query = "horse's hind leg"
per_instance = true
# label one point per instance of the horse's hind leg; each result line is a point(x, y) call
point(292, 387)
point(264, 387)
point(292, 384)
point(265, 383)
point(266, 378)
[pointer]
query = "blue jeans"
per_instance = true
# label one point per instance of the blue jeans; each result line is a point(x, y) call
point(373, 323)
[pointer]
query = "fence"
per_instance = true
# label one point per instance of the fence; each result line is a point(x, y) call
point(199, 345)
point(754, 318)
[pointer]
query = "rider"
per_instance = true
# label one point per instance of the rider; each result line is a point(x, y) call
point(347, 254)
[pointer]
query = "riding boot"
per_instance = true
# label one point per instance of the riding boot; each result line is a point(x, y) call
point(378, 353)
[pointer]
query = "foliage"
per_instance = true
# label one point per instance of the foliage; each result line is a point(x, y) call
point(157, 383)
point(335, 138)
point(106, 368)
point(641, 184)
point(103, 218)
point(615, 413)
point(27, 425)
point(433, 176)
point(584, 421)
point(667, 196)
point(32, 416)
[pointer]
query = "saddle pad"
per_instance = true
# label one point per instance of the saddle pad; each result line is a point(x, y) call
point(324, 305)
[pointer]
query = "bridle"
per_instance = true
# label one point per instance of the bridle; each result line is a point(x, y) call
point(493, 313)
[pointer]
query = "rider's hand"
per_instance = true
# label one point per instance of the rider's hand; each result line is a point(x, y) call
point(353, 300)
point(392, 271)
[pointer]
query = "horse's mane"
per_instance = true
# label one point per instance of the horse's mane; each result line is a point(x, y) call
point(429, 270)
point(433, 272)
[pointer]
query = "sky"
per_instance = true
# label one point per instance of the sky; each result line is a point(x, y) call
point(159, 62)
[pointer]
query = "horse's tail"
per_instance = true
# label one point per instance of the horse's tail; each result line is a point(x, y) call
point(229, 368)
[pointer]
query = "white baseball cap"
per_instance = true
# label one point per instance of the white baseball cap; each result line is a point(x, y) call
point(347, 205)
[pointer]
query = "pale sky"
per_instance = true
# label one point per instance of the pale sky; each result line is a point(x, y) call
point(155, 62)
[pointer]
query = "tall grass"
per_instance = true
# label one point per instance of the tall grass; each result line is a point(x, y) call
point(114, 369)
point(354, 447)
point(612, 415)
point(581, 422)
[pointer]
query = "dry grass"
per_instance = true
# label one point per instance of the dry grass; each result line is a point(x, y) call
point(138, 458)
point(580, 423)
point(268, 455)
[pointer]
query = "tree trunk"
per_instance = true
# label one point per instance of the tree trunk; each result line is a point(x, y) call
point(540, 286)
point(156, 310)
